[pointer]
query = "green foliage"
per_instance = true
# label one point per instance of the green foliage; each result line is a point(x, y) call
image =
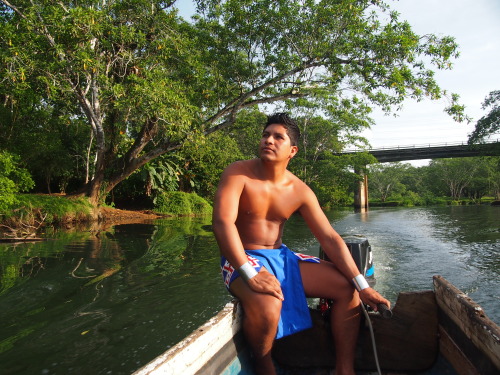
point(145, 83)
point(334, 180)
point(199, 205)
point(55, 209)
point(452, 176)
point(178, 203)
point(443, 182)
point(13, 179)
point(385, 181)
point(489, 124)
point(247, 131)
point(204, 160)
point(330, 176)
point(160, 175)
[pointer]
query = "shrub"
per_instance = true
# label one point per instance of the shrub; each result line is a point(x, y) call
point(199, 205)
point(178, 203)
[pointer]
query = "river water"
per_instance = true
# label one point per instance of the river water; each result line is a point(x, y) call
point(107, 302)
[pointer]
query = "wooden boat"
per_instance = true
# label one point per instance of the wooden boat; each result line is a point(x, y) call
point(440, 331)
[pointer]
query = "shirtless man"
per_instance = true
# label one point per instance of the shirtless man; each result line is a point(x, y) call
point(254, 200)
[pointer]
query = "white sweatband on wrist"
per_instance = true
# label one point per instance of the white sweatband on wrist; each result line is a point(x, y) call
point(360, 283)
point(247, 271)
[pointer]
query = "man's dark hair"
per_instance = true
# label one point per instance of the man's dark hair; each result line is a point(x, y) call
point(292, 129)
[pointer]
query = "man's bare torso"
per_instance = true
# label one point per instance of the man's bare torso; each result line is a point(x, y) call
point(264, 207)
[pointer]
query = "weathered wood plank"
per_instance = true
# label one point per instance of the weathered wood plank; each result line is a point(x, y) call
point(407, 342)
point(471, 320)
point(454, 355)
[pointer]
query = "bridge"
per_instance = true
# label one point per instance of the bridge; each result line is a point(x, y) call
point(431, 151)
point(417, 152)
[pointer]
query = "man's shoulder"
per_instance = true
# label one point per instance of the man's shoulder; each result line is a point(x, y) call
point(297, 182)
point(239, 169)
point(240, 165)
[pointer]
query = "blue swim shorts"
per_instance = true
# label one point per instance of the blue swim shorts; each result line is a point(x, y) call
point(284, 265)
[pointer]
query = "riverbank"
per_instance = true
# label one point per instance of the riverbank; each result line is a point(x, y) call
point(33, 212)
point(437, 201)
point(118, 216)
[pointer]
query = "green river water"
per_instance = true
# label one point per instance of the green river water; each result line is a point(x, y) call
point(109, 301)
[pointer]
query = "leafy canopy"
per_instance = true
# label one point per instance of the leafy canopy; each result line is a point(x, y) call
point(146, 82)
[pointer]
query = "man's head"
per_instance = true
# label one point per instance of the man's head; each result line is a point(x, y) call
point(290, 125)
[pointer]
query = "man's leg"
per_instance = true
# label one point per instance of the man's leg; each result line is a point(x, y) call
point(260, 323)
point(324, 280)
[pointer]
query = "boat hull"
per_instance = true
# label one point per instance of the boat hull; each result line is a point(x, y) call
point(430, 332)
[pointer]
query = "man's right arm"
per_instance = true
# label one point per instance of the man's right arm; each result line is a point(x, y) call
point(225, 213)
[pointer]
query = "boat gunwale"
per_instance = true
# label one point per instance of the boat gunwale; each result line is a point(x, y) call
point(191, 354)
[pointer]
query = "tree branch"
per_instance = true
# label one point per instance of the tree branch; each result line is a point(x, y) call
point(236, 103)
point(147, 133)
point(14, 8)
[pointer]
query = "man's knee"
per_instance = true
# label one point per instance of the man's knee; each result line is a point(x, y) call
point(263, 314)
point(346, 291)
point(325, 280)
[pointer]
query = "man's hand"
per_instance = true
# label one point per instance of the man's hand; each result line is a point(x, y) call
point(264, 282)
point(371, 297)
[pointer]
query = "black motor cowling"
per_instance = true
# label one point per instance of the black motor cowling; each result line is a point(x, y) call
point(361, 252)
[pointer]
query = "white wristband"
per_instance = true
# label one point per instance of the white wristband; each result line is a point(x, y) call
point(360, 283)
point(247, 271)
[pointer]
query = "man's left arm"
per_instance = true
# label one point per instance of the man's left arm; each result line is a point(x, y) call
point(336, 249)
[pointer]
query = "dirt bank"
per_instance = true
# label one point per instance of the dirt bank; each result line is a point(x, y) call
point(117, 216)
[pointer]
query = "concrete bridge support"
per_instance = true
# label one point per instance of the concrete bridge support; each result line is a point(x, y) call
point(361, 191)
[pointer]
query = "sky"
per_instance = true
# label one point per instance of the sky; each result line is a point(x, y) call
point(475, 25)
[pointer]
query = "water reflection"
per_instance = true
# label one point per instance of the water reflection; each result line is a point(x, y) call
point(108, 301)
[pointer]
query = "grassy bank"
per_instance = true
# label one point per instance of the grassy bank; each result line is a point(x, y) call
point(434, 201)
point(49, 209)
point(32, 211)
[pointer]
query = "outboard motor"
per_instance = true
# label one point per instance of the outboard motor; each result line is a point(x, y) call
point(361, 252)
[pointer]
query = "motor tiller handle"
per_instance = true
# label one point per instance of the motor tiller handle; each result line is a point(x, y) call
point(384, 311)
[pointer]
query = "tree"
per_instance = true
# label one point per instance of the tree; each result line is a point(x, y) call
point(247, 131)
point(386, 179)
point(489, 124)
point(331, 176)
point(492, 166)
point(55, 153)
point(147, 82)
point(455, 174)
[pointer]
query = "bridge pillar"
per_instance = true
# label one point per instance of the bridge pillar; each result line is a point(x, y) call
point(361, 191)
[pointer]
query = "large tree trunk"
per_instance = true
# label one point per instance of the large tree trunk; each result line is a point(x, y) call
point(94, 189)
point(102, 183)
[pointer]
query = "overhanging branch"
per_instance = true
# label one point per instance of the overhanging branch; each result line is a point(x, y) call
point(250, 103)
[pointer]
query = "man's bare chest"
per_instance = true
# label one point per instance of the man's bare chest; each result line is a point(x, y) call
point(268, 202)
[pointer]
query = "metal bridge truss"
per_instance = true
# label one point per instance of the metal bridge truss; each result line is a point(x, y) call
point(431, 151)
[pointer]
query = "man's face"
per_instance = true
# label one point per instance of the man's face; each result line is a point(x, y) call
point(275, 144)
